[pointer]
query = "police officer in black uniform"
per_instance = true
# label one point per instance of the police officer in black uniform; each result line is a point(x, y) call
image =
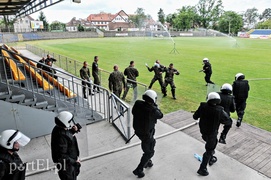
point(170, 71)
point(145, 115)
point(207, 69)
point(64, 146)
point(240, 88)
point(158, 70)
point(227, 102)
point(11, 165)
point(211, 115)
point(131, 73)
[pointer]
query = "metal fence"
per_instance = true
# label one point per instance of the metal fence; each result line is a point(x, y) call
point(119, 113)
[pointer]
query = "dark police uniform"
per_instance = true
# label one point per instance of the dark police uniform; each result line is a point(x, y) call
point(227, 102)
point(145, 118)
point(11, 166)
point(116, 82)
point(240, 90)
point(65, 153)
point(85, 75)
point(210, 118)
point(207, 69)
point(169, 80)
point(131, 74)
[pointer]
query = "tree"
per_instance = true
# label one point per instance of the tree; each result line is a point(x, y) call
point(7, 22)
point(161, 16)
point(266, 14)
point(42, 18)
point(216, 14)
point(230, 22)
point(56, 25)
point(139, 18)
point(186, 18)
point(209, 11)
point(250, 17)
point(264, 25)
point(80, 28)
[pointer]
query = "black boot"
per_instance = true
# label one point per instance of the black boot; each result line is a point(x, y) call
point(203, 172)
point(239, 120)
point(203, 166)
point(139, 173)
point(222, 139)
point(212, 160)
point(149, 164)
point(173, 94)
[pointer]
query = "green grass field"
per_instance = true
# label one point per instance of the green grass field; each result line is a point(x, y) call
point(227, 56)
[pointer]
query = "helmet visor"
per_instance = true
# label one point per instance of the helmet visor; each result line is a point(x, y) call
point(22, 139)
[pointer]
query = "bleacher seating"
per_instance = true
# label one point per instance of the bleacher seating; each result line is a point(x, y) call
point(266, 32)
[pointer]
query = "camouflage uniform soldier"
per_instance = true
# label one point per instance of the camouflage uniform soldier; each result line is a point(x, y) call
point(116, 81)
point(158, 70)
point(95, 73)
point(131, 74)
point(85, 75)
point(170, 71)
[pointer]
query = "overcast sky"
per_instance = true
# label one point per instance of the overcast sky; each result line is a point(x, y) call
point(66, 10)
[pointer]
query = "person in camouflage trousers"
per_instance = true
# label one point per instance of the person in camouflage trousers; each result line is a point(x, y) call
point(158, 70)
point(116, 81)
point(85, 75)
point(95, 73)
point(131, 72)
point(170, 71)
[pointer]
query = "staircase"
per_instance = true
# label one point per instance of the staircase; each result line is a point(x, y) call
point(30, 98)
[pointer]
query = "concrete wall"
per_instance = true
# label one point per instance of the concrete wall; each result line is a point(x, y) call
point(30, 36)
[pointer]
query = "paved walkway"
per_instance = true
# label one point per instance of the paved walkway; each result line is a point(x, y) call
point(106, 156)
point(247, 144)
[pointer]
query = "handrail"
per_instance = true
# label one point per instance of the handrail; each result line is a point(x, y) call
point(60, 86)
point(41, 81)
point(17, 52)
point(17, 73)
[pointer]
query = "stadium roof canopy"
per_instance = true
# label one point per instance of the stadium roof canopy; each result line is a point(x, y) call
point(24, 7)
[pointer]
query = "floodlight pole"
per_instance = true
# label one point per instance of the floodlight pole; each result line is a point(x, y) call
point(174, 50)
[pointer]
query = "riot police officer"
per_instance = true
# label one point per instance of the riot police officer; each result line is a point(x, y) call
point(211, 115)
point(145, 115)
point(227, 102)
point(207, 69)
point(11, 165)
point(64, 146)
point(240, 88)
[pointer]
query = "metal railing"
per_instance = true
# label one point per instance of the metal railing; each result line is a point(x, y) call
point(59, 88)
point(118, 110)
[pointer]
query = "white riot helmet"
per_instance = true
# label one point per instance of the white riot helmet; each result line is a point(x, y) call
point(226, 88)
point(213, 98)
point(239, 76)
point(150, 95)
point(205, 60)
point(63, 119)
point(9, 137)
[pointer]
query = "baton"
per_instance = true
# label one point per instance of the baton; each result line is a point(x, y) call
point(130, 139)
